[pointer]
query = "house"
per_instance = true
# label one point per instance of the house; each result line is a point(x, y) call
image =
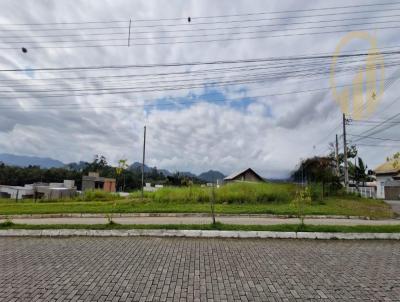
point(16, 192)
point(245, 175)
point(50, 191)
point(94, 181)
point(387, 181)
point(53, 190)
point(149, 188)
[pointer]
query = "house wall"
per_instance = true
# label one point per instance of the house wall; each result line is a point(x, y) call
point(56, 193)
point(380, 185)
point(392, 193)
point(109, 186)
point(87, 185)
point(16, 192)
point(246, 176)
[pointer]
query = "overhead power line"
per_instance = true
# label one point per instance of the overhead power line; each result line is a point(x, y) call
point(193, 17)
point(195, 29)
point(376, 138)
point(192, 41)
point(259, 71)
point(218, 62)
point(379, 145)
point(198, 35)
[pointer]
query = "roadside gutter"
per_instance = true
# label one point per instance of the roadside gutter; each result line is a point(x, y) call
point(197, 234)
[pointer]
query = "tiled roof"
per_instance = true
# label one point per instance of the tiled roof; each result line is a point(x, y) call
point(387, 168)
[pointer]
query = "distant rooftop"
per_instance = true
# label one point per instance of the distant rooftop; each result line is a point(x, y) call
point(387, 168)
point(236, 174)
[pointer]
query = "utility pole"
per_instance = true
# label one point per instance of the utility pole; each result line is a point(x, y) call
point(337, 156)
point(129, 33)
point(144, 152)
point(346, 168)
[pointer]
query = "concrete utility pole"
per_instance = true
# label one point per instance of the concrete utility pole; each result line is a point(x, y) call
point(337, 156)
point(346, 168)
point(144, 152)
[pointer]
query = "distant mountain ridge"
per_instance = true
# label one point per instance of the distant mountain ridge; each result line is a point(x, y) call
point(46, 162)
point(211, 176)
point(25, 161)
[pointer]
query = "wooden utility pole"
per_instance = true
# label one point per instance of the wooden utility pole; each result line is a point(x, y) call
point(346, 168)
point(337, 156)
point(144, 152)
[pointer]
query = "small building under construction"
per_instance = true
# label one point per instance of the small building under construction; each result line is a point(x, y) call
point(93, 181)
point(47, 191)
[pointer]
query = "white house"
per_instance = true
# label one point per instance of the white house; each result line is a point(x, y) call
point(16, 192)
point(385, 173)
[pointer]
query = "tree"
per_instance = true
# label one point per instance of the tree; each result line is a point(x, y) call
point(122, 166)
point(352, 152)
point(98, 164)
point(359, 173)
point(302, 199)
point(395, 159)
point(318, 170)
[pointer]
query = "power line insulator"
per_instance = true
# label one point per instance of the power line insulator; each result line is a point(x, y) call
point(24, 50)
point(189, 19)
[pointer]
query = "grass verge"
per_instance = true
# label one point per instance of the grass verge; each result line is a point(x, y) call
point(218, 226)
point(346, 206)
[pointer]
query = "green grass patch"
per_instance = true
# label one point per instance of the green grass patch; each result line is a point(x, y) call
point(98, 195)
point(230, 193)
point(217, 226)
point(375, 209)
point(235, 198)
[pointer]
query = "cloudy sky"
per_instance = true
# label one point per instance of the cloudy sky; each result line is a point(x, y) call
point(266, 114)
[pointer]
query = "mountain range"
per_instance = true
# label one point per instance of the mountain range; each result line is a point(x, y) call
point(46, 162)
point(209, 176)
point(25, 161)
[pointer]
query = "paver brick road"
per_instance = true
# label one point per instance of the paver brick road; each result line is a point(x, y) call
point(189, 269)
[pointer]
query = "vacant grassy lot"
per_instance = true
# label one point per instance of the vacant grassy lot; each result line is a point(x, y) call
point(254, 193)
point(238, 198)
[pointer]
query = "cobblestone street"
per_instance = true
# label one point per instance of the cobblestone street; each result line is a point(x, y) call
point(182, 269)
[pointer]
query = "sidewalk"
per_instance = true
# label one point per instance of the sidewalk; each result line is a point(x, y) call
point(395, 204)
point(243, 220)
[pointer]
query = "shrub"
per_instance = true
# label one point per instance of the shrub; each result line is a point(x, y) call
point(98, 195)
point(302, 199)
point(229, 193)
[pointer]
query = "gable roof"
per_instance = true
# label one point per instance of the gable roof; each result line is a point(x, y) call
point(236, 174)
point(387, 168)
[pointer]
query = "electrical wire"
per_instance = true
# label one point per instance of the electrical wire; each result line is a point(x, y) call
point(208, 17)
point(376, 138)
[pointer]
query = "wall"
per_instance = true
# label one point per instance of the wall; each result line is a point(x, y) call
point(392, 193)
point(87, 185)
point(380, 188)
point(14, 192)
point(367, 192)
point(247, 176)
point(109, 186)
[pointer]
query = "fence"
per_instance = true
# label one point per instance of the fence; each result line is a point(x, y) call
point(367, 192)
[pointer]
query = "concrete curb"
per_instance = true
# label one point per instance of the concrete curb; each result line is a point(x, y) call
point(117, 215)
point(196, 234)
